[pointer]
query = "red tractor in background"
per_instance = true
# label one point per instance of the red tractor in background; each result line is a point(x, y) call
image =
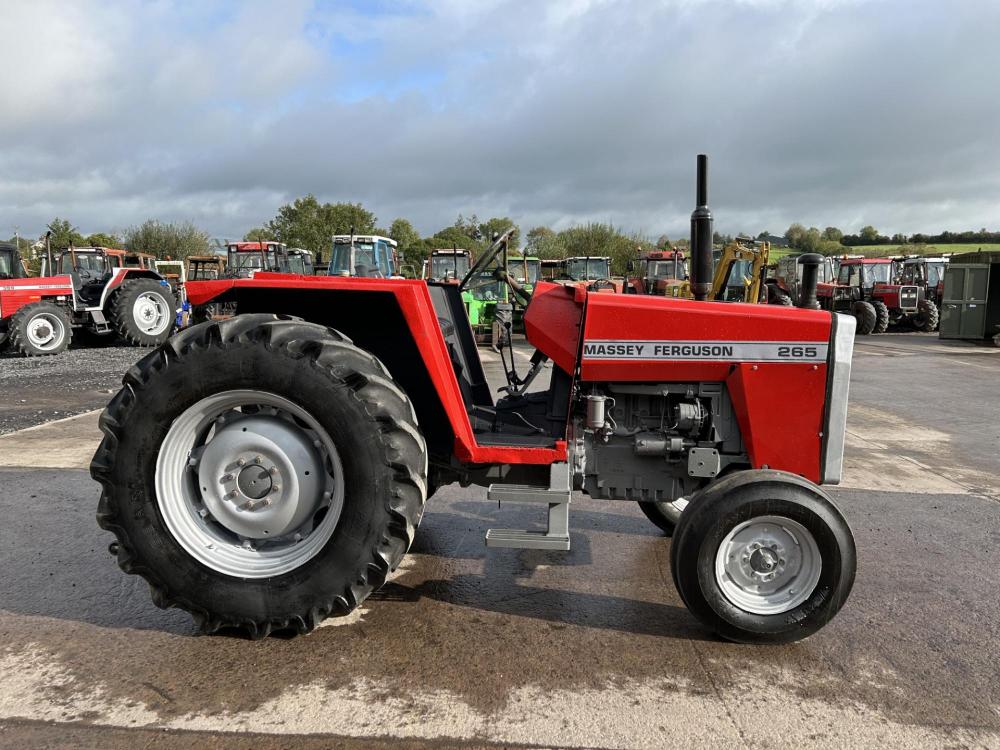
point(868, 288)
point(88, 288)
point(927, 273)
point(591, 272)
point(268, 471)
point(784, 285)
point(653, 272)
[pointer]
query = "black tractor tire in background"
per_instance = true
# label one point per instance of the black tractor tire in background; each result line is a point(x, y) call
point(122, 311)
point(881, 317)
point(927, 317)
point(656, 513)
point(48, 314)
point(866, 317)
point(351, 397)
point(704, 536)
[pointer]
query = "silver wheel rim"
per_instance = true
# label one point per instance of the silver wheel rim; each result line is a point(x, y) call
point(768, 565)
point(151, 313)
point(45, 331)
point(249, 483)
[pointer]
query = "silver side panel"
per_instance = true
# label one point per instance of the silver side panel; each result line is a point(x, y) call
point(836, 426)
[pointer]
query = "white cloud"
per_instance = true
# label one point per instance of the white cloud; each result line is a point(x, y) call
point(837, 113)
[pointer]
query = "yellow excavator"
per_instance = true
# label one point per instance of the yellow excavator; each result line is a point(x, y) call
point(739, 273)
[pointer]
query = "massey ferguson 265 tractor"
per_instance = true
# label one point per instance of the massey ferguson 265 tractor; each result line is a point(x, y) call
point(270, 470)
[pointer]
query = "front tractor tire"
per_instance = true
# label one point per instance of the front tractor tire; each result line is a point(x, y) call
point(763, 557)
point(881, 317)
point(39, 329)
point(143, 312)
point(927, 317)
point(864, 313)
point(262, 473)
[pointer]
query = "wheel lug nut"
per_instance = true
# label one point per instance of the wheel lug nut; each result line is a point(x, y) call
point(276, 488)
point(226, 478)
point(241, 462)
point(273, 471)
point(257, 459)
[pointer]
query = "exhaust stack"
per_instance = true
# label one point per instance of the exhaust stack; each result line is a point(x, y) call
point(810, 274)
point(701, 236)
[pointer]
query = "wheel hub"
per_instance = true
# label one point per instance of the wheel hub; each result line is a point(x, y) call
point(255, 482)
point(260, 476)
point(768, 565)
point(44, 332)
point(150, 313)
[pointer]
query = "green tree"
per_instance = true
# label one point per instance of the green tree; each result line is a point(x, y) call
point(498, 225)
point(829, 247)
point(598, 239)
point(833, 234)
point(542, 242)
point(869, 235)
point(308, 224)
point(795, 234)
point(810, 240)
point(259, 234)
point(405, 235)
point(102, 239)
point(64, 234)
point(167, 240)
point(663, 243)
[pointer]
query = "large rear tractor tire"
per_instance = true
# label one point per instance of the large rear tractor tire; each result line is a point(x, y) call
point(763, 557)
point(881, 317)
point(143, 312)
point(262, 473)
point(865, 314)
point(39, 329)
point(927, 317)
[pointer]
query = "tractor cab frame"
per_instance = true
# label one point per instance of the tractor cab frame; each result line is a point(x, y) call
point(364, 255)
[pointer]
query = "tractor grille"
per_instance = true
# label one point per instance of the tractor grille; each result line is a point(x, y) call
point(908, 298)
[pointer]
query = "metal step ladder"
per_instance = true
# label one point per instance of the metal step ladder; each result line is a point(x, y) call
point(557, 495)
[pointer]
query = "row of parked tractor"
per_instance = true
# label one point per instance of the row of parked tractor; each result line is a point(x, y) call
point(102, 292)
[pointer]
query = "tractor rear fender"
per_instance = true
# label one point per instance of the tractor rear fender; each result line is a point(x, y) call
point(786, 369)
point(395, 320)
point(119, 277)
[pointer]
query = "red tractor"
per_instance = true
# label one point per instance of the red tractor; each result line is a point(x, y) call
point(591, 272)
point(656, 272)
point(784, 285)
point(88, 288)
point(268, 471)
point(867, 287)
point(928, 274)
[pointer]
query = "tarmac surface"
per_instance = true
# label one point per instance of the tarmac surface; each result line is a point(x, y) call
point(470, 647)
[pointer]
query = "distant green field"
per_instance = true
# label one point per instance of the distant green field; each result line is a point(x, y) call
point(877, 250)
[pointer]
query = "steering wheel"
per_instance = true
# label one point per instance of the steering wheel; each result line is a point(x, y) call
point(601, 284)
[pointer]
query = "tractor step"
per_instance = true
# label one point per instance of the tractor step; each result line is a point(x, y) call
point(556, 495)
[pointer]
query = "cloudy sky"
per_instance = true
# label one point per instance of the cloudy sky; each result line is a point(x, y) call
point(827, 112)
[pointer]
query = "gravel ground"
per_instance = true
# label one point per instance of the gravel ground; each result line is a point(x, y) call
point(39, 389)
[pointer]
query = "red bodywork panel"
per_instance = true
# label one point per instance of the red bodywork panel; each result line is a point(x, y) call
point(16, 293)
point(552, 322)
point(773, 361)
point(415, 302)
